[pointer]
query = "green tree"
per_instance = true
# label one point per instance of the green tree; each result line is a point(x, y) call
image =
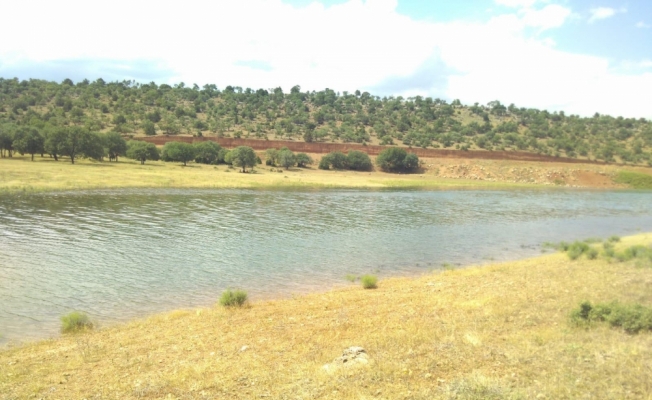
point(178, 151)
point(271, 157)
point(335, 160)
point(149, 128)
point(286, 158)
point(243, 156)
point(142, 151)
point(93, 146)
point(303, 160)
point(30, 142)
point(207, 152)
point(358, 161)
point(55, 140)
point(395, 159)
point(6, 141)
point(74, 140)
point(115, 145)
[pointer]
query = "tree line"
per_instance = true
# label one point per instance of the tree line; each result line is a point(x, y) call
point(132, 108)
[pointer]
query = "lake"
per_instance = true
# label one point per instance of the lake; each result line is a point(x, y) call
point(128, 253)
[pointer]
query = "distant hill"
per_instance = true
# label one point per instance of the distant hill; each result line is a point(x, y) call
point(326, 116)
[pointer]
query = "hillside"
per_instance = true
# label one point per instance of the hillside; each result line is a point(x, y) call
point(131, 108)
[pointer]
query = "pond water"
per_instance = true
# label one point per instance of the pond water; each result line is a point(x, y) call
point(123, 254)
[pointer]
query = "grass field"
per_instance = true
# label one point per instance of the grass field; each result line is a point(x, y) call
point(19, 174)
point(494, 332)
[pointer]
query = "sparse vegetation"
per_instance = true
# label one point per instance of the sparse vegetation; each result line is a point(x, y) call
point(477, 332)
point(75, 321)
point(233, 298)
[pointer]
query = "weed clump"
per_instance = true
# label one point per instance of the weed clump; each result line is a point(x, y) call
point(576, 250)
point(369, 281)
point(351, 278)
point(633, 318)
point(233, 298)
point(75, 321)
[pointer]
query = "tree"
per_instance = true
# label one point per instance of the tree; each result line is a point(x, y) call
point(271, 157)
point(395, 159)
point(149, 128)
point(207, 152)
point(6, 141)
point(142, 151)
point(178, 151)
point(358, 161)
point(55, 141)
point(243, 156)
point(286, 158)
point(335, 160)
point(303, 160)
point(30, 142)
point(93, 146)
point(115, 145)
point(73, 142)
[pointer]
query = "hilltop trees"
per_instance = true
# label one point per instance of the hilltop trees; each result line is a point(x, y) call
point(317, 116)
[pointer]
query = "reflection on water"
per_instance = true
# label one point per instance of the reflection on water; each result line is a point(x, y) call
point(122, 254)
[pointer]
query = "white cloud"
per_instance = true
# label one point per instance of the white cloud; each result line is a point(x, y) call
point(516, 3)
point(643, 25)
point(355, 45)
point(600, 13)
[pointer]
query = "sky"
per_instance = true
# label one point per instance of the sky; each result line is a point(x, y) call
point(577, 56)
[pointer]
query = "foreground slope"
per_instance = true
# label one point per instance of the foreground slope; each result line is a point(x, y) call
point(498, 331)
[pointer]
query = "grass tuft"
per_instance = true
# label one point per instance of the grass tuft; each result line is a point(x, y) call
point(233, 298)
point(75, 321)
point(369, 281)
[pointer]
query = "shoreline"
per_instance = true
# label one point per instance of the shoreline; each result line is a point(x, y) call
point(500, 327)
point(19, 175)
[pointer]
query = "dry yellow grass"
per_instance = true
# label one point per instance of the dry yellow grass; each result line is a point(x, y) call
point(20, 174)
point(498, 331)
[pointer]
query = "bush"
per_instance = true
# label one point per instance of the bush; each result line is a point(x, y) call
point(358, 161)
point(369, 281)
point(75, 322)
point(178, 151)
point(395, 159)
point(207, 152)
point(233, 298)
point(335, 160)
point(303, 160)
point(576, 250)
point(633, 318)
point(614, 239)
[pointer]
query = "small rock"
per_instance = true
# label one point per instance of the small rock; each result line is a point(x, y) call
point(353, 356)
point(244, 348)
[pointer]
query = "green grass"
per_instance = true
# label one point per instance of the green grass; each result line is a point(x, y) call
point(233, 298)
point(635, 180)
point(75, 322)
point(369, 281)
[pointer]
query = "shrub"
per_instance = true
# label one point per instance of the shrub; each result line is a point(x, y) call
point(335, 160)
point(395, 159)
point(369, 281)
point(614, 239)
point(303, 160)
point(351, 278)
point(75, 322)
point(576, 250)
point(233, 298)
point(358, 161)
point(633, 318)
point(207, 152)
